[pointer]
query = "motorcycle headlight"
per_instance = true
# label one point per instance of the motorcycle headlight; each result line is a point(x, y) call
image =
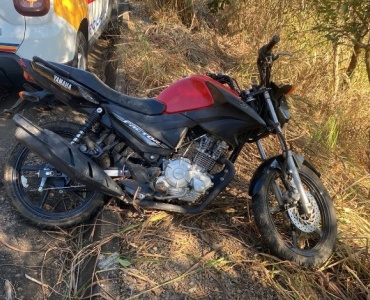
point(283, 111)
point(280, 102)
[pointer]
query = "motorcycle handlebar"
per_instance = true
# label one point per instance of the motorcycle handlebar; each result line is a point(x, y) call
point(222, 78)
point(266, 49)
point(275, 39)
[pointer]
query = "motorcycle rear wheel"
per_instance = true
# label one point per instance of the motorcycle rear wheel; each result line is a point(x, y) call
point(280, 232)
point(63, 202)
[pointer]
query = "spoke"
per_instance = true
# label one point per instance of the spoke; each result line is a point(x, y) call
point(277, 192)
point(294, 239)
point(78, 196)
point(65, 206)
point(56, 204)
point(44, 198)
point(66, 189)
point(318, 231)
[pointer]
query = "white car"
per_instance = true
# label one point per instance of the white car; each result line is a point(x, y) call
point(56, 30)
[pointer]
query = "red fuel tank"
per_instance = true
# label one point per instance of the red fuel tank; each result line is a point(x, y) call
point(189, 93)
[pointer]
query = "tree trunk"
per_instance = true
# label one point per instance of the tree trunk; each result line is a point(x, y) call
point(336, 69)
point(354, 59)
point(367, 62)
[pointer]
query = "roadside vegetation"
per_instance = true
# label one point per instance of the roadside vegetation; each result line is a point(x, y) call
point(218, 254)
point(167, 40)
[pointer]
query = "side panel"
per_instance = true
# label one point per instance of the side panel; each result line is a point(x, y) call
point(228, 118)
point(64, 89)
point(157, 134)
point(224, 121)
point(99, 12)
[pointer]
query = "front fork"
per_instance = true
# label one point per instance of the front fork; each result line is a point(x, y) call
point(291, 167)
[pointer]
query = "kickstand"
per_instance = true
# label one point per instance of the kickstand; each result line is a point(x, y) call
point(21, 104)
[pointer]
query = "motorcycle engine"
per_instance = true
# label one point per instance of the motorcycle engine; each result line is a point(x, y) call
point(189, 178)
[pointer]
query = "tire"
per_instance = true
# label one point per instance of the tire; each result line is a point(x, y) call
point(81, 60)
point(309, 246)
point(61, 207)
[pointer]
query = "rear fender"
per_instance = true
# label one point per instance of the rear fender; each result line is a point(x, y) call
point(274, 163)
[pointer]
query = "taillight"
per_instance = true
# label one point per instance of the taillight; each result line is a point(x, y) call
point(32, 8)
point(22, 63)
point(26, 75)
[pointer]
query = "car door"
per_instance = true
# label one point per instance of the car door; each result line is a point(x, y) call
point(99, 12)
point(12, 26)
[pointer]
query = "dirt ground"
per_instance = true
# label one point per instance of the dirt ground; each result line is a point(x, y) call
point(29, 256)
point(24, 257)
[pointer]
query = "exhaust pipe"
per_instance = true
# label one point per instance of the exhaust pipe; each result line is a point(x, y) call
point(65, 157)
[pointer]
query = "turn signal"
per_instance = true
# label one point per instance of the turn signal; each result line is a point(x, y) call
point(32, 8)
point(290, 91)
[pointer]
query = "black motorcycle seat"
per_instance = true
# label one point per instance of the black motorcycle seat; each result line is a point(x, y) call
point(147, 106)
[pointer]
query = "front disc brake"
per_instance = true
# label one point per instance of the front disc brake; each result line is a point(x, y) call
point(306, 223)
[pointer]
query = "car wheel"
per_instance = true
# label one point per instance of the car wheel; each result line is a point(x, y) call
point(81, 52)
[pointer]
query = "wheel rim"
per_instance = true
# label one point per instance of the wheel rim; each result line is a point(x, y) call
point(51, 203)
point(301, 242)
point(81, 60)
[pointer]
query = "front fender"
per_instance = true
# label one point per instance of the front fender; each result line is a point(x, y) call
point(275, 163)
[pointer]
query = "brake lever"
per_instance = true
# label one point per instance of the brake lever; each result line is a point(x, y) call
point(282, 53)
point(285, 53)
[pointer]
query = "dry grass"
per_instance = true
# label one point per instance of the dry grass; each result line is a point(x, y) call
point(218, 253)
point(326, 130)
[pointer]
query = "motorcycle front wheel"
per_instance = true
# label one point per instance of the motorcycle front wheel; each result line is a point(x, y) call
point(61, 202)
point(307, 240)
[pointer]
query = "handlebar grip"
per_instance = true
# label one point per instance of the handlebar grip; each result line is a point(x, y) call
point(275, 39)
point(222, 78)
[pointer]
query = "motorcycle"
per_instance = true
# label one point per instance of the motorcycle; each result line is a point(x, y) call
point(175, 152)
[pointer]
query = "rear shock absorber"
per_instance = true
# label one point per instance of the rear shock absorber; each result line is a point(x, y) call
point(93, 118)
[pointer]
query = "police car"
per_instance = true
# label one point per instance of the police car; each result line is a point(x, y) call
point(56, 30)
